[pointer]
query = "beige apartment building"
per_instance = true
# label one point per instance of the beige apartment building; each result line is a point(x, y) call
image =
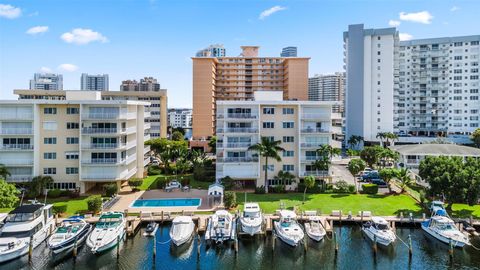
point(81, 141)
point(238, 78)
point(301, 126)
point(157, 104)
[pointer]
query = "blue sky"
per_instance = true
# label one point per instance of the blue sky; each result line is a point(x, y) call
point(129, 39)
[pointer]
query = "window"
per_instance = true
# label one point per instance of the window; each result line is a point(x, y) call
point(50, 155)
point(72, 125)
point(51, 140)
point(49, 110)
point(71, 155)
point(473, 97)
point(72, 110)
point(288, 167)
point(72, 140)
point(48, 171)
point(270, 138)
point(288, 139)
point(268, 125)
point(288, 153)
point(268, 110)
point(288, 111)
point(457, 44)
point(71, 170)
point(271, 167)
point(62, 186)
point(474, 77)
point(50, 125)
point(473, 91)
point(287, 124)
point(458, 57)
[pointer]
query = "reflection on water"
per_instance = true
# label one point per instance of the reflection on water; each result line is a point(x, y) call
point(355, 252)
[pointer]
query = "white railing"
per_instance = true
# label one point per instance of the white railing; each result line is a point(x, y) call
point(315, 116)
point(103, 145)
point(131, 159)
point(146, 162)
point(309, 159)
point(237, 130)
point(108, 115)
point(146, 137)
point(20, 178)
point(103, 161)
point(18, 161)
point(146, 149)
point(237, 159)
point(147, 114)
point(147, 126)
point(310, 145)
point(16, 147)
point(314, 130)
point(315, 173)
point(16, 131)
point(238, 115)
point(91, 130)
point(16, 116)
point(234, 145)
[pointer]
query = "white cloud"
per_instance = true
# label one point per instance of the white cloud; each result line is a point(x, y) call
point(405, 36)
point(420, 17)
point(9, 12)
point(82, 36)
point(67, 67)
point(270, 11)
point(394, 23)
point(454, 8)
point(45, 70)
point(37, 30)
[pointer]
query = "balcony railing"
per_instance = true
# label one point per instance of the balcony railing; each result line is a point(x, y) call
point(103, 145)
point(315, 173)
point(238, 116)
point(310, 158)
point(20, 131)
point(90, 130)
point(310, 145)
point(19, 161)
point(237, 159)
point(146, 161)
point(19, 178)
point(16, 147)
point(16, 116)
point(314, 130)
point(108, 115)
point(315, 116)
point(103, 161)
point(233, 145)
point(237, 130)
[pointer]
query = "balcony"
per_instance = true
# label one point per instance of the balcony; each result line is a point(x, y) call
point(15, 116)
point(237, 116)
point(314, 130)
point(125, 174)
point(237, 130)
point(108, 116)
point(146, 161)
point(16, 131)
point(147, 126)
point(315, 173)
point(314, 116)
point(146, 149)
point(19, 178)
point(311, 145)
point(17, 162)
point(8, 147)
point(103, 145)
point(102, 161)
point(91, 130)
point(234, 145)
point(309, 159)
point(237, 159)
point(146, 137)
point(147, 114)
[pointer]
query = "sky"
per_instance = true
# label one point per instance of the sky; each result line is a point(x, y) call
point(131, 39)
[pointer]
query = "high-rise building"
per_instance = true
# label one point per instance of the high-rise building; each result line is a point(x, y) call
point(80, 141)
point(145, 84)
point(94, 82)
point(328, 87)
point(421, 88)
point(47, 81)
point(290, 51)
point(237, 78)
point(216, 50)
point(301, 126)
point(155, 111)
point(180, 117)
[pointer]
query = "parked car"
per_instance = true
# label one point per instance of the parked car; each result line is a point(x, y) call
point(371, 175)
point(155, 162)
point(379, 182)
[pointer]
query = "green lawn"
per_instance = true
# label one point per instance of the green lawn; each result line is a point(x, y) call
point(465, 211)
point(74, 206)
point(149, 181)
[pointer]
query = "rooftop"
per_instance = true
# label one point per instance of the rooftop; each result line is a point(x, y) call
point(436, 150)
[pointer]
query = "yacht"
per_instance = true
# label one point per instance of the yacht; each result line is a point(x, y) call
point(221, 227)
point(288, 229)
point(151, 229)
point(443, 229)
point(314, 228)
point(182, 230)
point(252, 219)
point(71, 230)
point(109, 229)
point(29, 222)
point(379, 230)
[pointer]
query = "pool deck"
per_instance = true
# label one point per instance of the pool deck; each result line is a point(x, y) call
point(126, 201)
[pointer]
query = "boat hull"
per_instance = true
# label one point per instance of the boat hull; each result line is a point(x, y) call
point(441, 238)
point(314, 236)
point(289, 240)
point(103, 248)
point(14, 254)
point(383, 241)
point(70, 243)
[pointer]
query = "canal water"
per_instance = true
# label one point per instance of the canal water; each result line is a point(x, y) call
point(355, 253)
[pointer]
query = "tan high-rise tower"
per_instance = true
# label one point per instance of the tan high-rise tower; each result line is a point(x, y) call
point(237, 78)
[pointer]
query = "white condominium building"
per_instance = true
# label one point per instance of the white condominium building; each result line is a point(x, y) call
point(47, 81)
point(94, 82)
point(180, 118)
point(328, 87)
point(301, 126)
point(81, 141)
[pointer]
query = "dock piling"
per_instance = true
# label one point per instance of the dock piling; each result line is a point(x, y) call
point(273, 243)
point(75, 248)
point(154, 248)
point(375, 245)
point(450, 250)
point(410, 249)
point(335, 241)
point(118, 246)
point(30, 249)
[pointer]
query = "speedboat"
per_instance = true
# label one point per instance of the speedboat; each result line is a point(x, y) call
point(151, 229)
point(378, 230)
point(288, 229)
point(221, 227)
point(182, 230)
point(314, 228)
point(73, 229)
point(109, 229)
point(28, 224)
point(252, 219)
point(443, 229)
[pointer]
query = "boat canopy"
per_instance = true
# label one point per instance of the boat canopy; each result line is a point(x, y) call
point(379, 220)
point(251, 207)
point(287, 214)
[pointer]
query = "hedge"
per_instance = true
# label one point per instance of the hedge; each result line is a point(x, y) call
point(94, 203)
point(370, 188)
point(54, 193)
point(230, 199)
point(59, 209)
point(110, 189)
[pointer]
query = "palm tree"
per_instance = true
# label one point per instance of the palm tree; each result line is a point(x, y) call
point(267, 149)
point(381, 136)
point(355, 166)
point(286, 178)
point(387, 175)
point(309, 182)
point(404, 178)
point(4, 173)
point(38, 185)
point(354, 141)
point(328, 151)
point(391, 138)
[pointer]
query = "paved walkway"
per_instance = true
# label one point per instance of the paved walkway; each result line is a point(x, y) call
point(340, 171)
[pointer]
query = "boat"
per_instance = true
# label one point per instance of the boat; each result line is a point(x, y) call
point(314, 228)
point(151, 229)
point(443, 229)
point(288, 229)
point(221, 227)
point(25, 226)
point(109, 230)
point(252, 219)
point(181, 230)
point(378, 230)
point(71, 230)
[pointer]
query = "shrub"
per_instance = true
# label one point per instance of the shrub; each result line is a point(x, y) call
point(277, 189)
point(161, 182)
point(342, 186)
point(205, 173)
point(230, 199)
point(227, 182)
point(94, 203)
point(154, 170)
point(134, 183)
point(110, 189)
point(185, 181)
point(260, 190)
point(73, 193)
point(317, 188)
point(54, 193)
point(351, 188)
point(370, 188)
point(59, 209)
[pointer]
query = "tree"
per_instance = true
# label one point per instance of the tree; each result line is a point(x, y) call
point(355, 166)
point(4, 173)
point(385, 155)
point(381, 136)
point(179, 129)
point(94, 204)
point(37, 186)
point(476, 137)
point(177, 136)
point(213, 144)
point(404, 178)
point(370, 155)
point(230, 199)
point(391, 138)
point(387, 175)
point(354, 141)
point(267, 149)
point(166, 150)
point(286, 178)
point(309, 182)
point(8, 194)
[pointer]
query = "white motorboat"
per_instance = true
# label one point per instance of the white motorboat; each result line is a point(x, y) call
point(288, 229)
point(73, 229)
point(109, 230)
point(378, 230)
point(151, 229)
point(28, 224)
point(314, 228)
point(221, 227)
point(443, 228)
point(181, 230)
point(252, 219)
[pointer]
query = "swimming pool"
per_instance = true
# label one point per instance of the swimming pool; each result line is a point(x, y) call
point(176, 202)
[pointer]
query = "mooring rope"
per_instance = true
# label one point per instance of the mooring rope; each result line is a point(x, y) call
point(400, 239)
point(474, 247)
point(166, 242)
